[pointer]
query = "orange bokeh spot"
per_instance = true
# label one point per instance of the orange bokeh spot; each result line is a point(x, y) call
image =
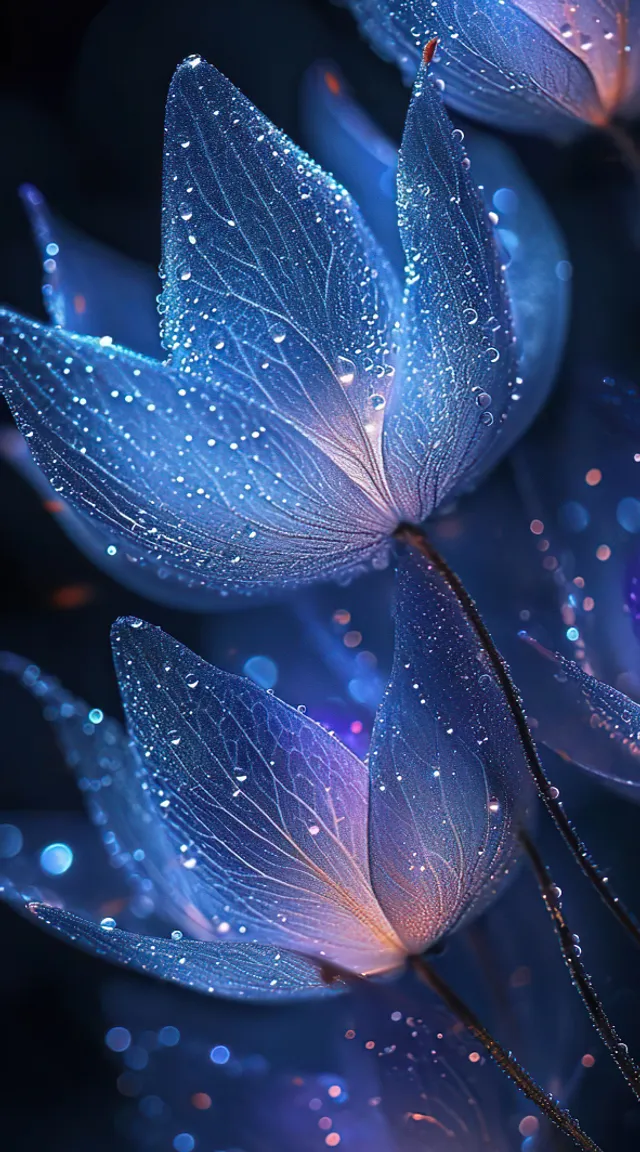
point(53, 506)
point(474, 1057)
point(352, 639)
point(588, 1060)
point(201, 1101)
point(72, 596)
point(335, 1091)
point(333, 84)
point(603, 552)
point(593, 477)
point(79, 304)
point(332, 1140)
point(341, 616)
point(537, 527)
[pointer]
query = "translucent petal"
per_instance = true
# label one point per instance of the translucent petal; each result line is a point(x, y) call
point(459, 359)
point(269, 809)
point(116, 789)
point(534, 259)
point(272, 278)
point(604, 35)
point(497, 62)
point(250, 971)
point(205, 490)
point(584, 719)
point(449, 782)
point(349, 144)
point(89, 288)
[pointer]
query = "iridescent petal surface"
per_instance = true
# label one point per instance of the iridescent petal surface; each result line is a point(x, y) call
point(449, 782)
point(269, 810)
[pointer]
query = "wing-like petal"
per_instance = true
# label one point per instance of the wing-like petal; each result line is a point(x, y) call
point(206, 490)
point(349, 144)
point(116, 790)
point(537, 274)
point(448, 776)
point(269, 809)
point(509, 64)
point(604, 35)
point(346, 141)
point(459, 366)
point(583, 719)
point(247, 971)
point(89, 288)
point(272, 278)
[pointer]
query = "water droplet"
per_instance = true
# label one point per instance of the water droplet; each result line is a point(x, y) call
point(176, 935)
point(483, 399)
point(346, 370)
point(377, 401)
point(108, 924)
point(186, 211)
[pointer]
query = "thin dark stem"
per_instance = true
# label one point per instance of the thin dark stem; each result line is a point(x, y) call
point(579, 975)
point(547, 1105)
point(416, 538)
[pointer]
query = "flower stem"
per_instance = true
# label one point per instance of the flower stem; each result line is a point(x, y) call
point(579, 975)
point(415, 537)
point(547, 1105)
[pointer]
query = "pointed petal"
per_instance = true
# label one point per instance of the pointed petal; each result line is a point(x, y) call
point(583, 719)
point(460, 367)
point(90, 288)
point(205, 490)
point(534, 259)
point(269, 809)
point(348, 143)
point(116, 791)
point(449, 782)
point(271, 276)
point(247, 971)
point(496, 62)
point(531, 248)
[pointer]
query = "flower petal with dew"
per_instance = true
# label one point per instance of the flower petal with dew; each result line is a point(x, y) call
point(584, 719)
point(532, 252)
point(293, 843)
point(529, 65)
point(305, 411)
point(254, 971)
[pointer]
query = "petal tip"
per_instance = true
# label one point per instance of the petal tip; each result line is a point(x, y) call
point(190, 64)
point(124, 625)
point(428, 51)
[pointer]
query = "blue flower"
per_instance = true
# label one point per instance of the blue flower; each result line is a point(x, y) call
point(528, 65)
point(310, 404)
point(258, 832)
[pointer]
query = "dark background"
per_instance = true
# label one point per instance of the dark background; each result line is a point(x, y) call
point(82, 91)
